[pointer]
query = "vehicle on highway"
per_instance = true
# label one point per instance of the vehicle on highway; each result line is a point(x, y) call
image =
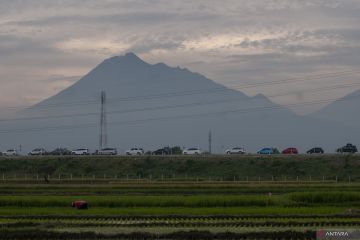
point(135, 151)
point(107, 151)
point(162, 151)
point(290, 150)
point(315, 150)
point(268, 151)
point(60, 151)
point(10, 152)
point(235, 150)
point(80, 151)
point(348, 148)
point(192, 151)
point(38, 151)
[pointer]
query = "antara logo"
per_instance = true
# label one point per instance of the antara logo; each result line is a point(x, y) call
point(336, 234)
point(332, 234)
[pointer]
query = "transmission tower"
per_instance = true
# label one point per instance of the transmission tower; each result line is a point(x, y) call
point(210, 140)
point(103, 123)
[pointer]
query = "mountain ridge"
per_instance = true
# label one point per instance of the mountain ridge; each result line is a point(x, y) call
point(154, 105)
point(343, 110)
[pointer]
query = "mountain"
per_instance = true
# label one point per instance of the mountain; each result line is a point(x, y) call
point(343, 111)
point(153, 105)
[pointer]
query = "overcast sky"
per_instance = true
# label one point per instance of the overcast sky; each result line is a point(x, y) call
point(46, 45)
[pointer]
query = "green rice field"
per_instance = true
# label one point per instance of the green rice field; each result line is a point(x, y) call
point(121, 208)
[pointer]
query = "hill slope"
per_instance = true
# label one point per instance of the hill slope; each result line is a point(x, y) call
point(344, 110)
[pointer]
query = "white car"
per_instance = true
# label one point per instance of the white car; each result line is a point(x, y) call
point(37, 151)
point(135, 151)
point(107, 151)
point(10, 152)
point(80, 151)
point(235, 150)
point(192, 151)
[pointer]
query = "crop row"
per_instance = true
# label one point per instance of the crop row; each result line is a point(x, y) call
point(325, 197)
point(201, 235)
point(167, 189)
point(185, 218)
point(142, 201)
point(175, 222)
point(16, 211)
point(202, 201)
point(191, 225)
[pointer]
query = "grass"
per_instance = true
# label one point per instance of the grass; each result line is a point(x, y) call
point(328, 198)
point(200, 201)
point(7, 211)
point(171, 188)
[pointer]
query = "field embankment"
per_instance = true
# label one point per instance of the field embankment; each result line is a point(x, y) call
point(214, 167)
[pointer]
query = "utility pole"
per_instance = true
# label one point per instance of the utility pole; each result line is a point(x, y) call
point(103, 122)
point(210, 142)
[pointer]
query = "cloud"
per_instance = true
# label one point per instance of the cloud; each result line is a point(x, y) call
point(229, 41)
point(96, 45)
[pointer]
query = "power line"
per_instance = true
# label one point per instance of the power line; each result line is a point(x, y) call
point(313, 90)
point(193, 92)
point(132, 122)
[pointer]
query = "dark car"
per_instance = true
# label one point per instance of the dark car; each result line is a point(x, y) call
point(315, 150)
point(290, 150)
point(162, 151)
point(348, 148)
point(60, 151)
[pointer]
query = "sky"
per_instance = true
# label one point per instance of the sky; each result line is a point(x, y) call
point(45, 46)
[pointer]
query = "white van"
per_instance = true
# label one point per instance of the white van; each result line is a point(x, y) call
point(10, 152)
point(80, 151)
